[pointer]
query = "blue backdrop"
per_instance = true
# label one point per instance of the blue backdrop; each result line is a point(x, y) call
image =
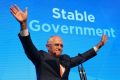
point(80, 23)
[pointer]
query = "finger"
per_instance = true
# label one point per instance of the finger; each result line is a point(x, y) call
point(105, 38)
point(26, 10)
point(12, 12)
point(12, 9)
point(16, 7)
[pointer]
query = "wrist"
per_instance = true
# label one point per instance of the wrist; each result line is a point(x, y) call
point(23, 25)
point(100, 44)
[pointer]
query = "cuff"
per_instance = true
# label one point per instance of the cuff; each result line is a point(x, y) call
point(24, 32)
point(96, 49)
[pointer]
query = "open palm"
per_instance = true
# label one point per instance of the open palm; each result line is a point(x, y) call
point(19, 14)
point(104, 38)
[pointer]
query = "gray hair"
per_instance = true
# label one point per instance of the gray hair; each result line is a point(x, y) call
point(51, 38)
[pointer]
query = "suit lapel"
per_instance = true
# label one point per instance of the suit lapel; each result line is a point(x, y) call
point(53, 64)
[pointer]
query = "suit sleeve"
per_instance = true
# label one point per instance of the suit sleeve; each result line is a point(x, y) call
point(29, 48)
point(75, 61)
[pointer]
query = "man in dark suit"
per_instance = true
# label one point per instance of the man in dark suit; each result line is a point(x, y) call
point(50, 65)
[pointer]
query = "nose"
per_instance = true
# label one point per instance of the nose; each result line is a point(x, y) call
point(59, 48)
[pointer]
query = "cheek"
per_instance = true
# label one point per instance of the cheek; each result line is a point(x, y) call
point(54, 48)
point(50, 49)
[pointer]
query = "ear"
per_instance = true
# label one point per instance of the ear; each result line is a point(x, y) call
point(47, 46)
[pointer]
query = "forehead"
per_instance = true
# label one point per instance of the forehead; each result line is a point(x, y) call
point(55, 39)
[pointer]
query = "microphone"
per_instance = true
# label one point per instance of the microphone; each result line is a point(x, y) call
point(82, 72)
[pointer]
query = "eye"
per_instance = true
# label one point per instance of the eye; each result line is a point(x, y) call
point(56, 44)
point(61, 45)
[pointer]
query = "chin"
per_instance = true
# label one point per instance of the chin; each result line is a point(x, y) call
point(58, 55)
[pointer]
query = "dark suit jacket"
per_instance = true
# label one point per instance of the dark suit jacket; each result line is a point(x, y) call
point(47, 67)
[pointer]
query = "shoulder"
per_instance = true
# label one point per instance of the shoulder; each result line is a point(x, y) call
point(64, 56)
point(65, 60)
point(42, 52)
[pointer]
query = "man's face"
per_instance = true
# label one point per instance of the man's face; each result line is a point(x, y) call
point(55, 46)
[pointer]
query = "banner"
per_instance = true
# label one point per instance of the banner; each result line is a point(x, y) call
point(79, 23)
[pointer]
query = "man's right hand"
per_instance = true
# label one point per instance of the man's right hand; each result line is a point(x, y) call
point(20, 16)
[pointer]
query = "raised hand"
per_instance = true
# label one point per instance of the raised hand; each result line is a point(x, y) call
point(102, 41)
point(19, 14)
